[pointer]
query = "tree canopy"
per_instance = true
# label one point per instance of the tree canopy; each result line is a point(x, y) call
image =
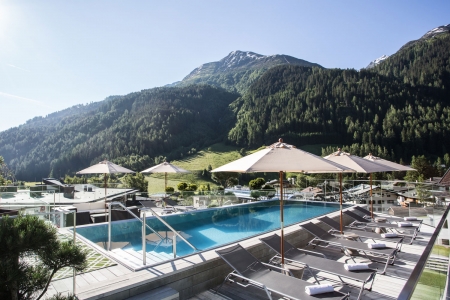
point(28, 236)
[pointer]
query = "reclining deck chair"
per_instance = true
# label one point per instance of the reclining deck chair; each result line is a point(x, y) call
point(362, 223)
point(336, 230)
point(258, 274)
point(322, 264)
point(172, 204)
point(324, 237)
point(156, 209)
point(367, 215)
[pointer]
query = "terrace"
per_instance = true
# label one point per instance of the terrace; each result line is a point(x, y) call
point(197, 276)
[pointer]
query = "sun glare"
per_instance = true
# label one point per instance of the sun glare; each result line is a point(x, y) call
point(5, 17)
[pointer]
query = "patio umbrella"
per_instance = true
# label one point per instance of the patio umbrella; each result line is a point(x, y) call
point(360, 165)
point(105, 167)
point(281, 157)
point(380, 161)
point(165, 168)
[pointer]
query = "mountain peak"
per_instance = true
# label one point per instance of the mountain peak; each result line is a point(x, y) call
point(238, 58)
point(244, 60)
point(435, 31)
point(377, 61)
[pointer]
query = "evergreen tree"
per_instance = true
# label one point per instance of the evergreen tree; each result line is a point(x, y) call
point(27, 236)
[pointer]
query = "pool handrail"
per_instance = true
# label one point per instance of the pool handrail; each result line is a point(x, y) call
point(170, 227)
point(155, 215)
point(124, 207)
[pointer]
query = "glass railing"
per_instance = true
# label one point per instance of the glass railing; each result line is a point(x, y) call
point(53, 194)
point(429, 279)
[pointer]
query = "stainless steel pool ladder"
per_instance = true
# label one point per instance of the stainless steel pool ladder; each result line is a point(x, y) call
point(144, 224)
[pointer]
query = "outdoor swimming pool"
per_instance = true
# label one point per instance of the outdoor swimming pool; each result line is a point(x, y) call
point(206, 229)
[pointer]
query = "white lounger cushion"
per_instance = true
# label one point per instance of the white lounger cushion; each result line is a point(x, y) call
point(405, 224)
point(389, 235)
point(376, 245)
point(355, 267)
point(410, 218)
point(319, 289)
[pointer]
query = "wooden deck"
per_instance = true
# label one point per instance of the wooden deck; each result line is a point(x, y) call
point(386, 286)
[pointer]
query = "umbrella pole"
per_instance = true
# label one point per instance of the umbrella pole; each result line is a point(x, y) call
point(281, 218)
point(165, 186)
point(340, 200)
point(371, 200)
point(165, 183)
point(105, 190)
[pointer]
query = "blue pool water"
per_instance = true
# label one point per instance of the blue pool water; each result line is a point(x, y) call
point(210, 228)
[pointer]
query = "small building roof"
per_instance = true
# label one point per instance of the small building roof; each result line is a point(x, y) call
point(445, 180)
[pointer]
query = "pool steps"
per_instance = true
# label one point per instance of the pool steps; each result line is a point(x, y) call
point(134, 258)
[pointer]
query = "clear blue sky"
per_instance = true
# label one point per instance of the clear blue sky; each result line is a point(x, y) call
point(55, 54)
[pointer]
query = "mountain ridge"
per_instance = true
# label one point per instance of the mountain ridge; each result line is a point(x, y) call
point(397, 109)
point(239, 69)
point(428, 35)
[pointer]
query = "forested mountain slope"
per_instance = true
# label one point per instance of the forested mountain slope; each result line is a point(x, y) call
point(397, 109)
point(239, 69)
point(162, 121)
point(400, 108)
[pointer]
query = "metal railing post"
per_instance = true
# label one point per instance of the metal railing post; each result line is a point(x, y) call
point(144, 243)
point(174, 243)
point(74, 243)
point(109, 227)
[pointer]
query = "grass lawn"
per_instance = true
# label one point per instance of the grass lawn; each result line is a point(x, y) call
point(441, 250)
point(156, 181)
point(431, 285)
point(215, 155)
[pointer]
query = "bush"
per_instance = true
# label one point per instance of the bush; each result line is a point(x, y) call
point(182, 186)
point(255, 194)
point(191, 187)
point(257, 183)
point(170, 189)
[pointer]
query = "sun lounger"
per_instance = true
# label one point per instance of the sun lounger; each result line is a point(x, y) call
point(172, 204)
point(367, 214)
point(362, 223)
point(323, 238)
point(148, 203)
point(258, 274)
point(322, 264)
point(336, 229)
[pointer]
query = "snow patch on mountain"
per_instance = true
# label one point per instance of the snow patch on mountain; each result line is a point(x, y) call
point(435, 31)
point(377, 61)
point(238, 58)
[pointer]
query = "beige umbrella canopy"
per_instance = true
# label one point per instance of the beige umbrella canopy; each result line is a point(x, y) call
point(105, 167)
point(360, 165)
point(280, 158)
point(380, 161)
point(165, 168)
